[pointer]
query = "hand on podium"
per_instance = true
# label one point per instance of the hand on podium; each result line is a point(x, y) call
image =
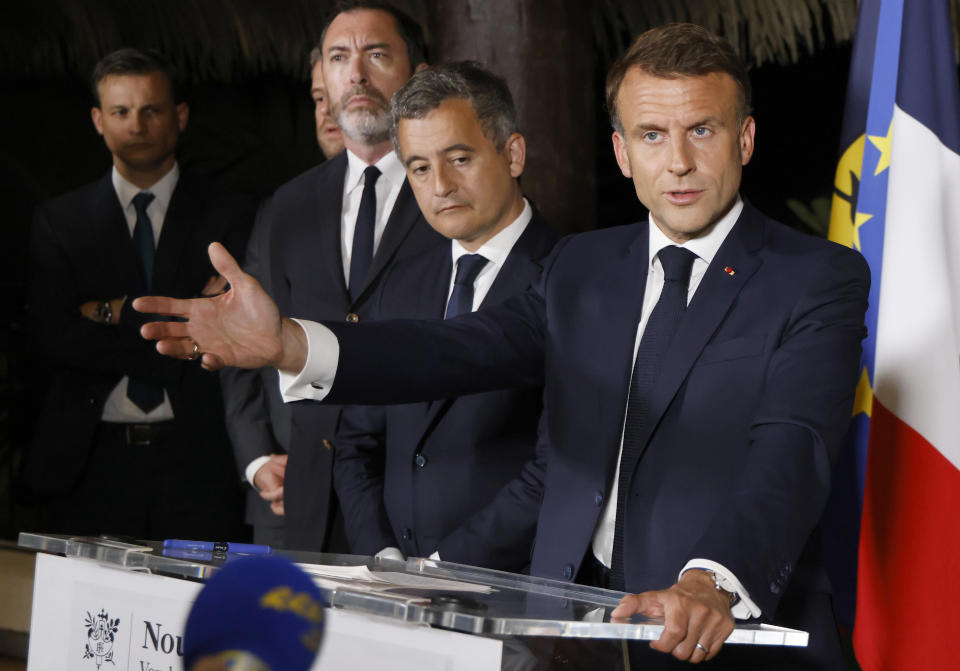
point(240, 327)
point(697, 617)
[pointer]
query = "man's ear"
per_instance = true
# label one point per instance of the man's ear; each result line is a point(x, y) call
point(747, 133)
point(516, 150)
point(420, 68)
point(620, 151)
point(183, 114)
point(97, 117)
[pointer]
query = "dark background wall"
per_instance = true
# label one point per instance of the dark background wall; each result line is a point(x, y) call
point(251, 124)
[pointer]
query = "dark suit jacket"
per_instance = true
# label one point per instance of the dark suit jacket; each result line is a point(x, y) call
point(81, 250)
point(753, 400)
point(425, 476)
point(258, 421)
point(307, 281)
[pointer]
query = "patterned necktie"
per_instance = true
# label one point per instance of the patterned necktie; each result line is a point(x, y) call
point(659, 331)
point(145, 395)
point(362, 252)
point(461, 298)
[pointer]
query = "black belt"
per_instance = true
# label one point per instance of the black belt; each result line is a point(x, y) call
point(146, 434)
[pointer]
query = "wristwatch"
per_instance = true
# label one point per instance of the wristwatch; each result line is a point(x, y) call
point(104, 312)
point(723, 585)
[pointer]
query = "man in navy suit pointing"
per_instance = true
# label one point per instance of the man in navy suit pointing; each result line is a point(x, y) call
point(699, 371)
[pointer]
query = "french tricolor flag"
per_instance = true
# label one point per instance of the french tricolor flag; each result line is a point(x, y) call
point(897, 200)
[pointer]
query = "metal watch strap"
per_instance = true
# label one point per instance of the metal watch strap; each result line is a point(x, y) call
point(104, 312)
point(718, 582)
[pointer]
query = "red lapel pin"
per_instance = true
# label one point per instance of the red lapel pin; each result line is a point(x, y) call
point(730, 271)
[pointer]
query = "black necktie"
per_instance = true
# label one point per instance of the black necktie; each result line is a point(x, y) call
point(461, 298)
point(362, 253)
point(143, 234)
point(145, 395)
point(659, 331)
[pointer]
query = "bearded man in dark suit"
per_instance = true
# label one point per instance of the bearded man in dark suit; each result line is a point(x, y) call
point(334, 232)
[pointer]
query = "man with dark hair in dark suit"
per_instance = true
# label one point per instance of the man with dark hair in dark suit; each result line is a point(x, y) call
point(443, 476)
point(128, 442)
point(699, 370)
point(334, 231)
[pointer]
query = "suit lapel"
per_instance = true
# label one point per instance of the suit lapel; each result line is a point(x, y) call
point(325, 211)
point(711, 302)
point(520, 270)
point(123, 255)
point(181, 220)
point(620, 303)
point(434, 304)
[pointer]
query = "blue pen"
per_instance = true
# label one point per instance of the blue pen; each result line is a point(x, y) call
point(218, 546)
point(198, 555)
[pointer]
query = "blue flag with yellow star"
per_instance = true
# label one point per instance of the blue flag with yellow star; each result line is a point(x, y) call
point(859, 197)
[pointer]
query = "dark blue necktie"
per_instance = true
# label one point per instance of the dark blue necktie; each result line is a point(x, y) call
point(361, 255)
point(145, 395)
point(461, 298)
point(659, 331)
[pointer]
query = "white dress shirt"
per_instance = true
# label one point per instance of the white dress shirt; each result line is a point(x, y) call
point(705, 248)
point(392, 175)
point(119, 408)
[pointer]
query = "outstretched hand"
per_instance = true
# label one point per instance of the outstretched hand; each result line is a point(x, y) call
point(241, 327)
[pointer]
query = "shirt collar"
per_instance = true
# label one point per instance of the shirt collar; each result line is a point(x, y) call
point(497, 248)
point(389, 166)
point(162, 189)
point(706, 246)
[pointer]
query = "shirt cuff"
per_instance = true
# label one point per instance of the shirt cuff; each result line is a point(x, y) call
point(316, 378)
point(744, 609)
point(390, 553)
point(252, 469)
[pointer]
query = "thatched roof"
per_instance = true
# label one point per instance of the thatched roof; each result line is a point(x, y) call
point(224, 40)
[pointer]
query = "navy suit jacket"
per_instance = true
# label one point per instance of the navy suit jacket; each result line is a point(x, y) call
point(82, 250)
point(442, 475)
point(752, 402)
point(306, 279)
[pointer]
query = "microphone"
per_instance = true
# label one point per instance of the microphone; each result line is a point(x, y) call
point(257, 613)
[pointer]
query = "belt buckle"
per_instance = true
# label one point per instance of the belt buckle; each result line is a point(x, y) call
point(138, 434)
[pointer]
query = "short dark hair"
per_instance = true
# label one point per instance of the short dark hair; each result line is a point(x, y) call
point(679, 50)
point(408, 29)
point(133, 62)
point(486, 92)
